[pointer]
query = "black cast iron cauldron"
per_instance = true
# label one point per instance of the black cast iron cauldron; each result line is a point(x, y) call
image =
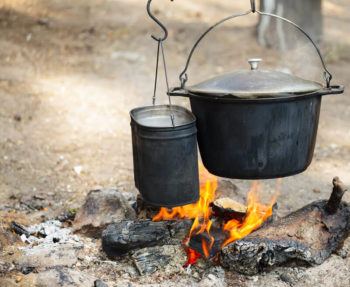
point(256, 124)
point(165, 155)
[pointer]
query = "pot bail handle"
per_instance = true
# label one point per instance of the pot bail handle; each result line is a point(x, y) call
point(184, 77)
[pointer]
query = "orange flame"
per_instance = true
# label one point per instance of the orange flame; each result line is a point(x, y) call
point(257, 214)
point(197, 211)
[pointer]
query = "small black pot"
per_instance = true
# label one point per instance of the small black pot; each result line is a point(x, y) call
point(165, 156)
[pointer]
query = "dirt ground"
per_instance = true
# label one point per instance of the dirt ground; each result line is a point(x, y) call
point(70, 72)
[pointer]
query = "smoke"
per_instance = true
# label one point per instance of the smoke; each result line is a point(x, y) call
point(302, 60)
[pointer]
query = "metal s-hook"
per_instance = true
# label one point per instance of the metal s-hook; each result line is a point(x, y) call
point(252, 3)
point(158, 22)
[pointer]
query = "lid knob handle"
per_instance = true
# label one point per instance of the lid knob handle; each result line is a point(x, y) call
point(254, 63)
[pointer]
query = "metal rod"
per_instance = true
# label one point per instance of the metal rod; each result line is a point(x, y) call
point(156, 76)
point(172, 117)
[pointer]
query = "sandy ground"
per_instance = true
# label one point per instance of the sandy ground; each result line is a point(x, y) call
point(70, 71)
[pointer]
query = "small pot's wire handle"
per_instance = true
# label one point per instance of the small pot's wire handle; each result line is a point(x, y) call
point(184, 77)
point(160, 50)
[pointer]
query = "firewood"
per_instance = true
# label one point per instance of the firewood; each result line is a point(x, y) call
point(124, 236)
point(151, 259)
point(336, 196)
point(148, 260)
point(227, 209)
point(307, 236)
point(216, 234)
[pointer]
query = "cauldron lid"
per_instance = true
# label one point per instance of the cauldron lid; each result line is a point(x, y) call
point(255, 83)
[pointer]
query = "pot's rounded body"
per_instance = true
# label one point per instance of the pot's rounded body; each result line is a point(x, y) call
point(257, 139)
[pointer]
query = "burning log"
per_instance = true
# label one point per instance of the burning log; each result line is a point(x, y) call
point(227, 209)
point(208, 246)
point(308, 235)
point(124, 236)
point(217, 236)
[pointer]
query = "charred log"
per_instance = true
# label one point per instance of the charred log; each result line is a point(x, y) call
point(334, 201)
point(19, 229)
point(308, 236)
point(122, 237)
point(151, 259)
point(148, 260)
point(215, 240)
point(217, 236)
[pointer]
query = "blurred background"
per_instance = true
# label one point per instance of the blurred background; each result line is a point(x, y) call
point(70, 72)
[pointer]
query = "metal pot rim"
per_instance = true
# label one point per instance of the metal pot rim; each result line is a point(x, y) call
point(283, 97)
point(188, 118)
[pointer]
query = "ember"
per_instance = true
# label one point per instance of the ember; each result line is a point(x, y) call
point(192, 257)
point(201, 213)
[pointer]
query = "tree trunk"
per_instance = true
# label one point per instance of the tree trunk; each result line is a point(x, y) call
point(276, 34)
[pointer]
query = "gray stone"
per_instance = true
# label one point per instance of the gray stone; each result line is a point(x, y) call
point(58, 277)
point(100, 283)
point(7, 238)
point(215, 276)
point(5, 267)
point(48, 255)
point(49, 245)
point(101, 208)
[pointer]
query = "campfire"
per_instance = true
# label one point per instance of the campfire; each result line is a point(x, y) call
point(227, 230)
point(244, 238)
point(264, 127)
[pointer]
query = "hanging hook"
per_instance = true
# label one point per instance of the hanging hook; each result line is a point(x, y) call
point(252, 3)
point(158, 22)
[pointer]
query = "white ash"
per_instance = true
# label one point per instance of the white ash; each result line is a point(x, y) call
point(51, 232)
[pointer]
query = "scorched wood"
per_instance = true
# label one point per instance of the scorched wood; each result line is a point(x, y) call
point(308, 235)
point(124, 236)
